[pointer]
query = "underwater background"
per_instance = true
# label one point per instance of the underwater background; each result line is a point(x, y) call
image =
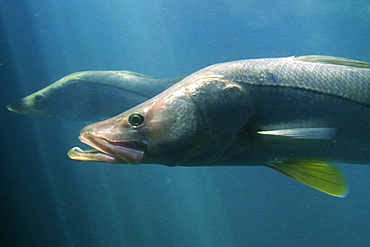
point(46, 199)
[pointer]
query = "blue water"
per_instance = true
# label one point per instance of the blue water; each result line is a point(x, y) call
point(47, 199)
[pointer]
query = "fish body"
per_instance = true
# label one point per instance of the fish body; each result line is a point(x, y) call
point(88, 95)
point(297, 115)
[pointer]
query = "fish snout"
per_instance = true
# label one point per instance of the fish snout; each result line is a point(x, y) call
point(23, 107)
point(119, 146)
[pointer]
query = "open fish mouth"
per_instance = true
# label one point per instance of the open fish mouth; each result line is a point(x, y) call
point(108, 151)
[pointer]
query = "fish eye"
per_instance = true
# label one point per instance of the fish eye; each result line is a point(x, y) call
point(136, 119)
point(38, 98)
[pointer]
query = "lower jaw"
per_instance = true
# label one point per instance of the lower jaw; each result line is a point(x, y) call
point(94, 155)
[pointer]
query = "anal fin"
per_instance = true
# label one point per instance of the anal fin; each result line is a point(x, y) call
point(323, 176)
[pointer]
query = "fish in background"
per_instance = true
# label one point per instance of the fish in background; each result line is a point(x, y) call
point(91, 95)
point(297, 115)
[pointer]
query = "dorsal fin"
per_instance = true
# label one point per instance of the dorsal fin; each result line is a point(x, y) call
point(135, 74)
point(334, 60)
point(176, 80)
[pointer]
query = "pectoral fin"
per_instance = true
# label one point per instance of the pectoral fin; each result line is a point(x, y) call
point(303, 133)
point(323, 176)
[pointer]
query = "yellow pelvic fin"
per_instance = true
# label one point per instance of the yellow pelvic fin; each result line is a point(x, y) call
point(323, 176)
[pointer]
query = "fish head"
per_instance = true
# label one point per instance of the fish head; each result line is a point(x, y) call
point(46, 103)
point(184, 125)
point(154, 132)
point(54, 101)
point(29, 105)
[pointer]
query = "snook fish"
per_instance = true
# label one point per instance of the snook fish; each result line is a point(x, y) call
point(297, 115)
point(91, 95)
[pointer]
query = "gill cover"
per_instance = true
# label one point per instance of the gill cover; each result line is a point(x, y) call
point(224, 108)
